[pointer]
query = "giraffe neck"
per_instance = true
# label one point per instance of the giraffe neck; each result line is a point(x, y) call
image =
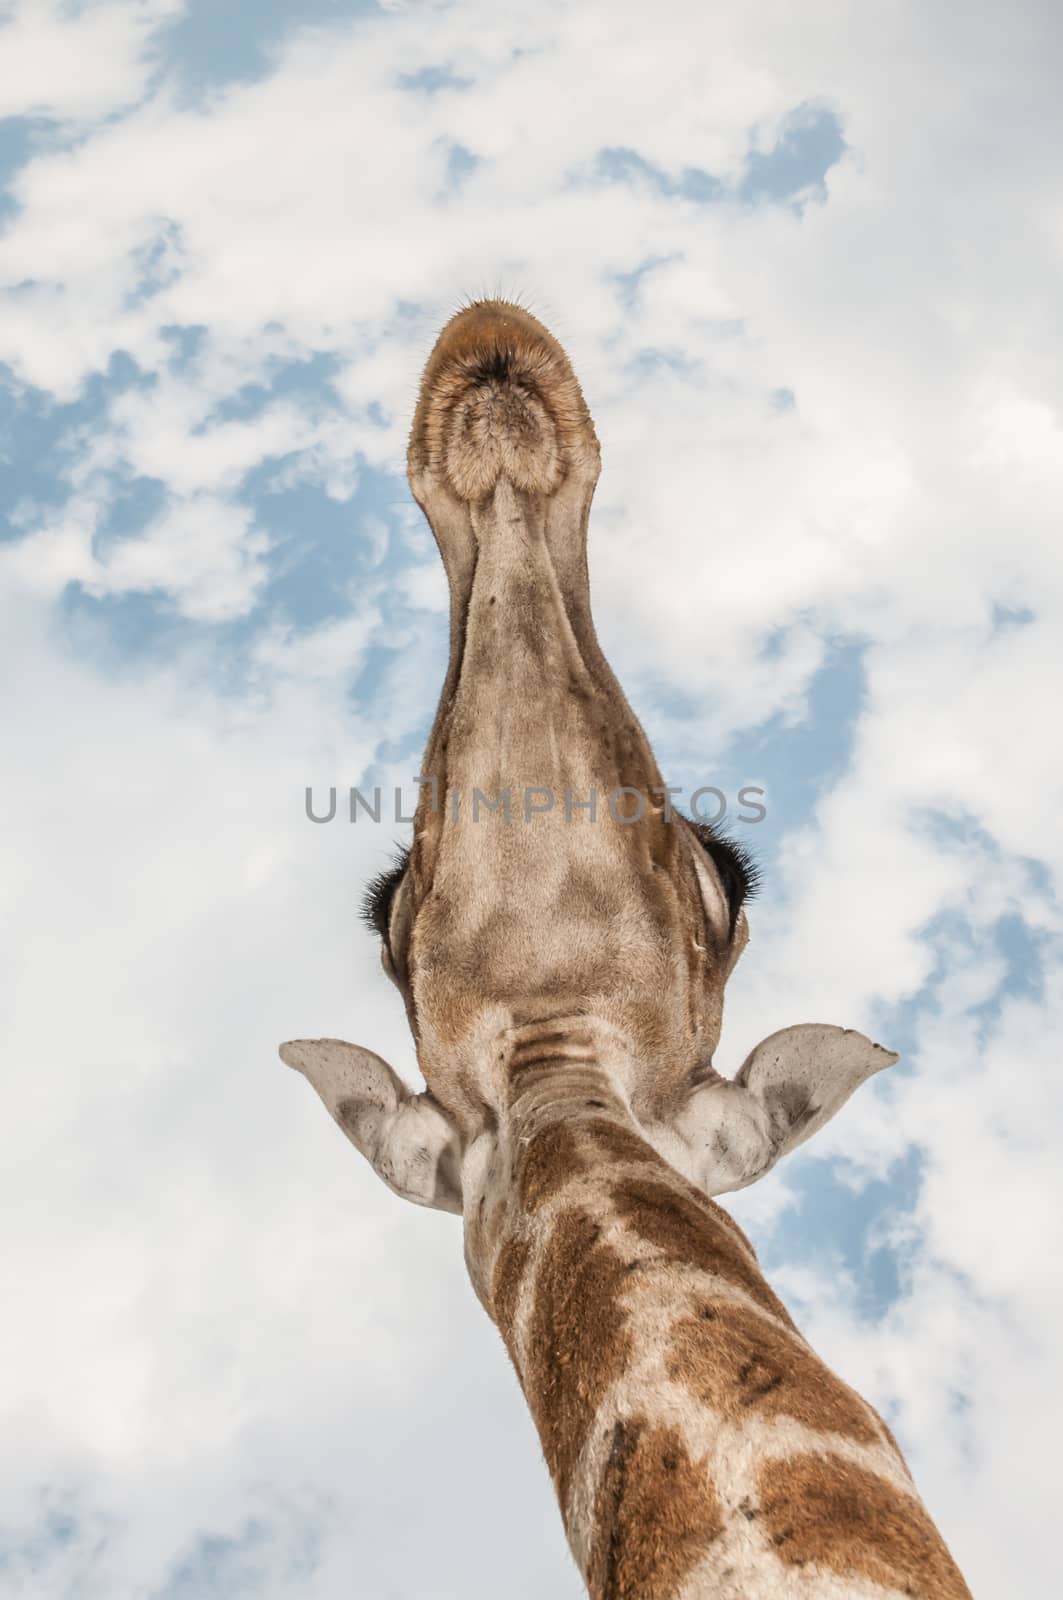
point(697, 1445)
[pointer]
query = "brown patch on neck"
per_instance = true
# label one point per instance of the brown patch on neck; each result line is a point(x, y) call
point(834, 1515)
point(620, 1143)
point(692, 1232)
point(577, 1345)
point(506, 1280)
point(656, 1513)
point(545, 1164)
point(741, 1365)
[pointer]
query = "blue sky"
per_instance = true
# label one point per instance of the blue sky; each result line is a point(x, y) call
point(817, 338)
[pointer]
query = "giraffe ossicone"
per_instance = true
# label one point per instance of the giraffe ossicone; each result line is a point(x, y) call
point(564, 984)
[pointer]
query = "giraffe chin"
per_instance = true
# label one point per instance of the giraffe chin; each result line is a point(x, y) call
point(726, 1135)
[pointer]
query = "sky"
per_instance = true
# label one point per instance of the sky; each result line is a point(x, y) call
point(806, 262)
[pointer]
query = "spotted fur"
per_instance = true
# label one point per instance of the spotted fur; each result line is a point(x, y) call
point(825, 1514)
point(691, 1433)
point(655, 1515)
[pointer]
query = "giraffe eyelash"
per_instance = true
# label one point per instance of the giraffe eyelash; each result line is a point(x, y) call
point(735, 864)
point(380, 892)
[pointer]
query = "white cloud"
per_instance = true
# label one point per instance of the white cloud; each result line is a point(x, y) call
point(77, 64)
point(215, 1296)
point(201, 552)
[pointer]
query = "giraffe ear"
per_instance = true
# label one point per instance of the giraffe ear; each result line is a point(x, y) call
point(407, 1138)
point(728, 1134)
point(804, 1074)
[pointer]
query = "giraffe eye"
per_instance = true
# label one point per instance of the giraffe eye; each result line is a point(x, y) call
point(381, 891)
point(735, 865)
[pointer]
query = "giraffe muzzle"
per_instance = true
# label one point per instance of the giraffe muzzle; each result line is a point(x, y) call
point(499, 399)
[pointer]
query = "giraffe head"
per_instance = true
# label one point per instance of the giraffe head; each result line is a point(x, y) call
point(555, 915)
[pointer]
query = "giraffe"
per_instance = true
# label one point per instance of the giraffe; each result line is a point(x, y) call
point(563, 971)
